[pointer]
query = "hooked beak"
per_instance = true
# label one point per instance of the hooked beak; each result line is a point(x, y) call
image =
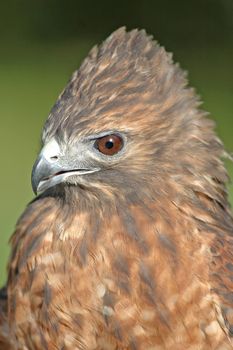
point(48, 170)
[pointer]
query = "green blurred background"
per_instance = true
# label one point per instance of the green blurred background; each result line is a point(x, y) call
point(43, 41)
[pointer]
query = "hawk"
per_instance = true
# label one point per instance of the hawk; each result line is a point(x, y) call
point(129, 242)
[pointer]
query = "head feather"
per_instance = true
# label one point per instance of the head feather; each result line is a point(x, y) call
point(130, 83)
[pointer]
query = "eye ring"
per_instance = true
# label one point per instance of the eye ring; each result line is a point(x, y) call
point(109, 145)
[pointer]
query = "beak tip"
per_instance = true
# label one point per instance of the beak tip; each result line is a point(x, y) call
point(42, 170)
point(34, 185)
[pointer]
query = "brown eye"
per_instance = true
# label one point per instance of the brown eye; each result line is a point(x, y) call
point(109, 144)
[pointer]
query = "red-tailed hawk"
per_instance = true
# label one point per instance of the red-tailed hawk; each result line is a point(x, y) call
point(129, 243)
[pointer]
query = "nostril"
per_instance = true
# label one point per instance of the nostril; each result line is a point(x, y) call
point(54, 158)
point(51, 151)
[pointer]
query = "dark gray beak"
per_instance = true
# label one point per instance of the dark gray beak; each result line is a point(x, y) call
point(50, 170)
point(42, 174)
point(46, 167)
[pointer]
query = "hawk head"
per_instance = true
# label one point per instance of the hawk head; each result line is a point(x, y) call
point(127, 123)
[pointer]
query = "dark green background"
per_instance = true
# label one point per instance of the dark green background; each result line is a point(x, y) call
point(43, 41)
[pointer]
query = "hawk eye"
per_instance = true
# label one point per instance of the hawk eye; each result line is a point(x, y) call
point(109, 144)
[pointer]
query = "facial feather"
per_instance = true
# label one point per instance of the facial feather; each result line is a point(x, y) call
point(130, 85)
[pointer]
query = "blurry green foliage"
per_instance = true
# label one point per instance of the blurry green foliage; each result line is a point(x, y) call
point(180, 22)
point(42, 42)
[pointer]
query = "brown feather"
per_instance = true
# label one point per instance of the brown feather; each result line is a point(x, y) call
point(140, 255)
point(6, 342)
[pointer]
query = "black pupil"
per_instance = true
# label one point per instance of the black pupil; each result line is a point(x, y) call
point(109, 144)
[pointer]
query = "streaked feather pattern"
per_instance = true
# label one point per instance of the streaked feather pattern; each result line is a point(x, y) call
point(139, 255)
